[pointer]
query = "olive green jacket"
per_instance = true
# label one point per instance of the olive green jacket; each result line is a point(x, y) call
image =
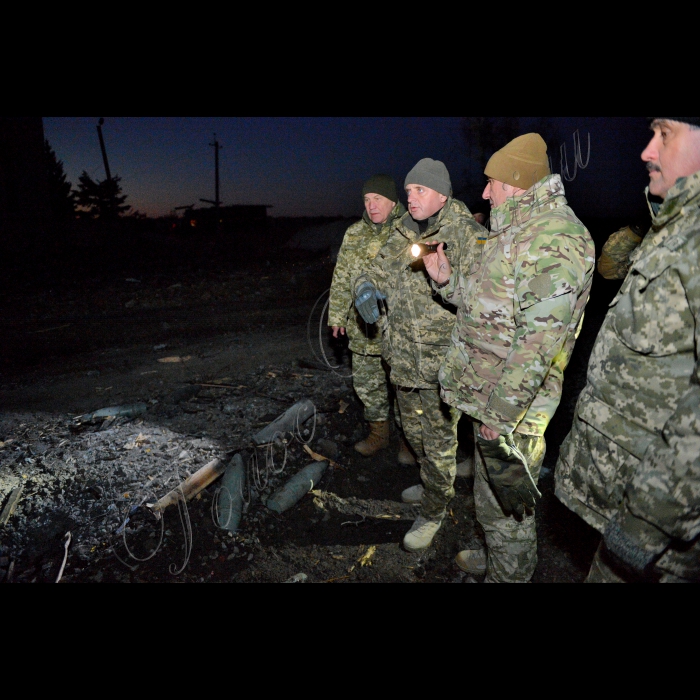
point(415, 322)
point(362, 241)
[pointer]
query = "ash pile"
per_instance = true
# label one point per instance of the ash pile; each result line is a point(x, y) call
point(78, 490)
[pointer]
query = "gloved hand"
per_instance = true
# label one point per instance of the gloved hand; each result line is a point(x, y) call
point(634, 543)
point(508, 474)
point(366, 302)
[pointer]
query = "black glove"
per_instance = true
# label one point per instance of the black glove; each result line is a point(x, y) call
point(633, 543)
point(508, 474)
point(366, 302)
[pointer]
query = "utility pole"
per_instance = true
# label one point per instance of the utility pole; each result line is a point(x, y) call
point(216, 169)
point(217, 201)
point(102, 146)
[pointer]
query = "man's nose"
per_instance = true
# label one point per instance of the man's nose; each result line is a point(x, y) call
point(650, 152)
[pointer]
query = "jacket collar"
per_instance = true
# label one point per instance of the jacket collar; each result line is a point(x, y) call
point(434, 222)
point(515, 213)
point(684, 193)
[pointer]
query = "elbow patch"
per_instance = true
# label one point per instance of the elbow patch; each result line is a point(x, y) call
point(543, 287)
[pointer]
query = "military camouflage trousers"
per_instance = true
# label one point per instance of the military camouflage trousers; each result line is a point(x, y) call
point(430, 426)
point(370, 379)
point(511, 542)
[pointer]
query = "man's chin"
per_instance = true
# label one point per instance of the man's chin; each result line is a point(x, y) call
point(657, 188)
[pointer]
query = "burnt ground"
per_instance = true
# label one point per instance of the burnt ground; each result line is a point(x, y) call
point(215, 344)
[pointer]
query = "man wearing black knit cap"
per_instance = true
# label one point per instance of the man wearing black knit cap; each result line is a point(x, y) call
point(416, 332)
point(370, 378)
point(630, 466)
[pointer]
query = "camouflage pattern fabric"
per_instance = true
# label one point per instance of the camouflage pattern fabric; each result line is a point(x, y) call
point(614, 261)
point(416, 323)
point(361, 243)
point(603, 570)
point(416, 326)
point(511, 541)
point(430, 426)
point(370, 379)
point(635, 437)
point(519, 311)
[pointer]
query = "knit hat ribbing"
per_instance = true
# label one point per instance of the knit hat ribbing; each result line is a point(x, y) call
point(520, 163)
point(383, 185)
point(430, 173)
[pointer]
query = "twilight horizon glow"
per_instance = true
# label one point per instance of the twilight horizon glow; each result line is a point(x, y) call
point(315, 166)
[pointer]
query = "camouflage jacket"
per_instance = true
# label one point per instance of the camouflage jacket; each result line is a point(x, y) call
point(415, 322)
point(519, 312)
point(362, 241)
point(643, 384)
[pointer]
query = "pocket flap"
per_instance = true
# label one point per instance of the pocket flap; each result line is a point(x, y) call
point(614, 426)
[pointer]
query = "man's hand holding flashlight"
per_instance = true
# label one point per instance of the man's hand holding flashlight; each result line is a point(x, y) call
point(437, 265)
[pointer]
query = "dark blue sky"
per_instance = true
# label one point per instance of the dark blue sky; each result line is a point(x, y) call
point(315, 166)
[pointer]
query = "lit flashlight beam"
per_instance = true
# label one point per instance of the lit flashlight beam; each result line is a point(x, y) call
point(418, 250)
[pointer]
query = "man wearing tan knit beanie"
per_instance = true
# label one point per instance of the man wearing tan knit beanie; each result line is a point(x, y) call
point(521, 163)
point(518, 316)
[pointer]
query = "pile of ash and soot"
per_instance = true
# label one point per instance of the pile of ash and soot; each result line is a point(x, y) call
point(116, 495)
point(197, 424)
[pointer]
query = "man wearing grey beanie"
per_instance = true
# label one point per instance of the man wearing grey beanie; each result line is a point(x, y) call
point(416, 328)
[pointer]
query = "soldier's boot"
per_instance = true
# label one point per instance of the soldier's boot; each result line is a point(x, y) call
point(405, 454)
point(378, 439)
point(421, 534)
point(473, 561)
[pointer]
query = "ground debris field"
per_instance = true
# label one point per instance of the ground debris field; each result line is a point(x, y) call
point(201, 350)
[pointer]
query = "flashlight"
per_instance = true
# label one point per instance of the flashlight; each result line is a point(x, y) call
point(418, 250)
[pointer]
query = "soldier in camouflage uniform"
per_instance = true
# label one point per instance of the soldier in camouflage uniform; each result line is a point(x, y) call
point(361, 243)
point(630, 466)
point(519, 312)
point(416, 332)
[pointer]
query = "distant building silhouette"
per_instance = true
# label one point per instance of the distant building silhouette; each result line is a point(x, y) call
point(236, 218)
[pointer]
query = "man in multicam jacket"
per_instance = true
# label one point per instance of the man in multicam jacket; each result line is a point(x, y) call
point(361, 243)
point(630, 466)
point(519, 311)
point(416, 333)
